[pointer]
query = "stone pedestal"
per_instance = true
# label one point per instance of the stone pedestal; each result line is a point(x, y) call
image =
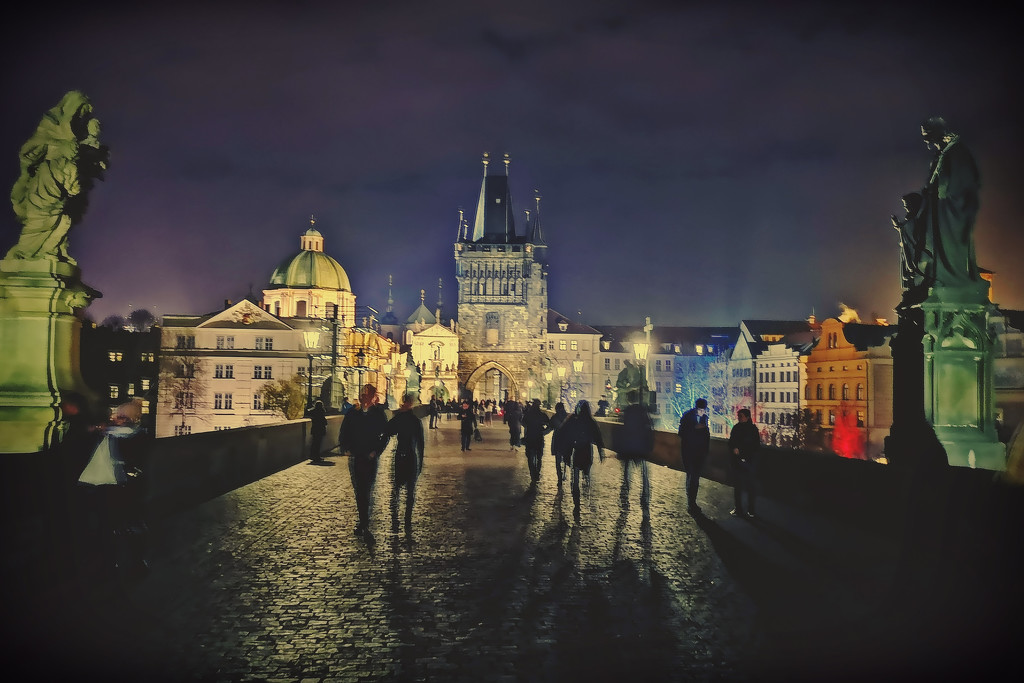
point(958, 387)
point(39, 343)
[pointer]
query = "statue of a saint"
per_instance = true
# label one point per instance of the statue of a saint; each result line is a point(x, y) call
point(58, 167)
point(949, 205)
point(629, 379)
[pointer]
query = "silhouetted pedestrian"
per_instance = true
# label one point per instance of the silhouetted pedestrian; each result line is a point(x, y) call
point(317, 432)
point(514, 419)
point(467, 424)
point(535, 426)
point(434, 410)
point(364, 435)
point(744, 443)
point(561, 447)
point(634, 442)
point(585, 434)
point(694, 443)
point(408, 429)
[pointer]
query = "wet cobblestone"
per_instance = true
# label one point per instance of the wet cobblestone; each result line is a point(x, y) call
point(501, 583)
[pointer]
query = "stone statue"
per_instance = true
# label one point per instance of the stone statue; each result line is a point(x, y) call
point(949, 205)
point(629, 379)
point(58, 166)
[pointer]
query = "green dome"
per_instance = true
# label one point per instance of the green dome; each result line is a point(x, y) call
point(312, 270)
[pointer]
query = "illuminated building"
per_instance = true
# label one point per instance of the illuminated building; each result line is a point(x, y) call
point(503, 295)
point(849, 383)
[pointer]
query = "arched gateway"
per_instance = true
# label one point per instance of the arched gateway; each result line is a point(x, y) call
point(492, 380)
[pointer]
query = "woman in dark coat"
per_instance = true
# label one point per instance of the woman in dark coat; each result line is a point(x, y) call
point(559, 446)
point(585, 434)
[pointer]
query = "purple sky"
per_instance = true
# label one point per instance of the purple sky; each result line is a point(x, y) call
point(698, 165)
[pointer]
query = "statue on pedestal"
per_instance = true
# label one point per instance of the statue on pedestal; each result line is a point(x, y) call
point(937, 234)
point(59, 164)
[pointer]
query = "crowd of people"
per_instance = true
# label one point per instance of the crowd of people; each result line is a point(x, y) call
point(366, 431)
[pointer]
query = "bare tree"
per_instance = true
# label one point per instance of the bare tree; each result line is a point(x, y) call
point(182, 385)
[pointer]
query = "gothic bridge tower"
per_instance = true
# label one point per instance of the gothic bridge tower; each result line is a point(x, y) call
point(503, 294)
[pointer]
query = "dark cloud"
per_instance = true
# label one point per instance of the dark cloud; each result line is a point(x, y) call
point(699, 162)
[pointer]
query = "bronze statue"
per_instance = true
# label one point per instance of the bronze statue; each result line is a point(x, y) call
point(950, 205)
point(58, 167)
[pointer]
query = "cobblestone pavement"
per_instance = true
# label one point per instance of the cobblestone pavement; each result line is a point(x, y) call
point(500, 582)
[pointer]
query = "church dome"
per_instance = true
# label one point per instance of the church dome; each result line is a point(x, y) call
point(311, 268)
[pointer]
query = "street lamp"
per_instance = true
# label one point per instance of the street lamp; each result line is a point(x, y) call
point(360, 361)
point(312, 339)
point(640, 350)
point(561, 382)
point(547, 390)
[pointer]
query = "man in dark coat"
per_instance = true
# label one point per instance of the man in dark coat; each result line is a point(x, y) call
point(317, 431)
point(467, 424)
point(535, 426)
point(408, 460)
point(364, 436)
point(634, 442)
point(514, 419)
point(435, 412)
point(694, 443)
point(744, 442)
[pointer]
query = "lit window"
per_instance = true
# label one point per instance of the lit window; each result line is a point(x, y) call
point(679, 388)
point(115, 356)
point(561, 345)
point(145, 407)
point(700, 349)
point(114, 391)
point(860, 392)
point(129, 390)
point(145, 383)
point(860, 418)
point(846, 392)
point(831, 417)
point(573, 345)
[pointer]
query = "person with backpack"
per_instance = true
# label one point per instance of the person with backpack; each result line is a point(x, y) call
point(585, 434)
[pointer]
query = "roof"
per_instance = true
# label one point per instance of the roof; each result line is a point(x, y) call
point(421, 314)
point(554, 318)
point(495, 221)
point(310, 270)
point(864, 336)
point(687, 337)
point(757, 328)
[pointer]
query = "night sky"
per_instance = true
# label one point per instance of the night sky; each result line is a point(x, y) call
point(698, 164)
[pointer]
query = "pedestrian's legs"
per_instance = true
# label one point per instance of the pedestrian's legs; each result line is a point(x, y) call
point(575, 488)
point(410, 500)
point(692, 484)
point(645, 494)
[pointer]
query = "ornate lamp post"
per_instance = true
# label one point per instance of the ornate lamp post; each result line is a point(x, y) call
point(312, 339)
point(561, 382)
point(577, 370)
point(547, 392)
point(640, 350)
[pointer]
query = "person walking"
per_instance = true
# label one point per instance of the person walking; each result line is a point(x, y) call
point(317, 431)
point(364, 436)
point(535, 426)
point(560, 445)
point(514, 419)
point(585, 434)
point(467, 424)
point(434, 409)
point(409, 449)
point(694, 443)
point(744, 443)
point(635, 441)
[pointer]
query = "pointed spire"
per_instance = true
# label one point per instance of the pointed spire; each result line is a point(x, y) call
point(440, 283)
point(494, 222)
point(391, 301)
point(536, 234)
point(423, 295)
point(463, 227)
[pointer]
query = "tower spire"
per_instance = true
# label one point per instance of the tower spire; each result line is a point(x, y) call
point(507, 162)
point(487, 160)
point(440, 282)
point(391, 301)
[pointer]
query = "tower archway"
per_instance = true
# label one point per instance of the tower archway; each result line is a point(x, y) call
point(492, 380)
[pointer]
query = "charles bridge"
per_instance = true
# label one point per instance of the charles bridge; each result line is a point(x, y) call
point(852, 569)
